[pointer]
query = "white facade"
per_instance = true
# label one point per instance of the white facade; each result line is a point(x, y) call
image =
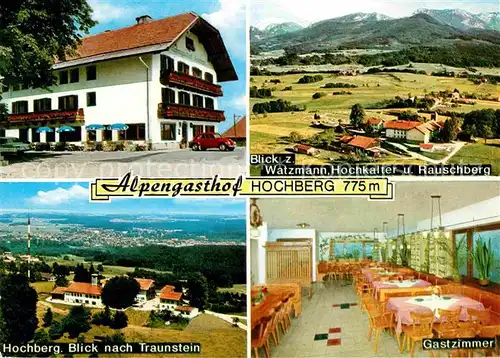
point(395, 133)
point(168, 304)
point(141, 296)
point(84, 299)
point(122, 88)
point(189, 315)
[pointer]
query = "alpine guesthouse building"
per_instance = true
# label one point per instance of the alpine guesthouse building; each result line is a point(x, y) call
point(153, 82)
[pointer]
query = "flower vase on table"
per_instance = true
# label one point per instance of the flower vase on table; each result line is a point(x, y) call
point(263, 292)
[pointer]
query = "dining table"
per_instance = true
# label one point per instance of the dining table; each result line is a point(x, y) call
point(265, 308)
point(369, 272)
point(402, 306)
point(403, 284)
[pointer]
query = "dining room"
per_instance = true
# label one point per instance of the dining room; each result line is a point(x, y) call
point(351, 277)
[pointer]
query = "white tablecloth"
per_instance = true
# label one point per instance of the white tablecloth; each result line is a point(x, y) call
point(433, 303)
point(403, 284)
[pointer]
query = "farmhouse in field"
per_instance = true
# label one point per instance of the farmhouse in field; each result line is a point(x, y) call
point(89, 294)
point(305, 149)
point(156, 81)
point(412, 131)
point(375, 123)
point(147, 291)
point(172, 301)
point(85, 293)
point(364, 144)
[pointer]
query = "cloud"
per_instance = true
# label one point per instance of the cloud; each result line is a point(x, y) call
point(230, 20)
point(240, 102)
point(60, 195)
point(265, 12)
point(106, 11)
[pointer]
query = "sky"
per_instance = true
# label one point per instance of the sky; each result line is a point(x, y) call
point(228, 16)
point(265, 12)
point(69, 197)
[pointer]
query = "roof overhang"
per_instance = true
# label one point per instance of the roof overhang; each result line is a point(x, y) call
point(208, 35)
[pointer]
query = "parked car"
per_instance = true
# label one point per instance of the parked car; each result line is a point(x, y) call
point(13, 145)
point(212, 140)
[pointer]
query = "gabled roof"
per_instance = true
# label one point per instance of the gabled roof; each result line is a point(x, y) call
point(153, 37)
point(170, 295)
point(84, 287)
point(239, 130)
point(346, 139)
point(145, 283)
point(59, 290)
point(302, 147)
point(187, 309)
point(374, 121)
point(363, 142)
point(402, 125)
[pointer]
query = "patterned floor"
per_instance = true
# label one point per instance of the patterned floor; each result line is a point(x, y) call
point(332, 325)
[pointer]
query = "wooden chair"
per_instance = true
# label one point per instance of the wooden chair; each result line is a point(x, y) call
point(409, 277)
point(384, 278)
point(448, 320)
point(379, 320)
point(459, 333)
point(261, 339)
point(490, 332)
point(366, 300)
point(274, 323)
point(420, 329)
point(477, 318)
point(284, 317)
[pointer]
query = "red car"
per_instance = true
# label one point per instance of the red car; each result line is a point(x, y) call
point(212, 140)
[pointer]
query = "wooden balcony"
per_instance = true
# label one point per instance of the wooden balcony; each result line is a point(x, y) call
point(53, 115)
point(192, 83)
point(167, 110)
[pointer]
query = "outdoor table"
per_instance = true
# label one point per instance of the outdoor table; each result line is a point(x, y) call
point(271, 300)
point(402, 306)
point(378, 285)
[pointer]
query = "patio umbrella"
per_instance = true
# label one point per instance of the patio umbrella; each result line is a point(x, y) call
point(65, 129)
point(95, 127)
point(44, 129)
point(118, 127)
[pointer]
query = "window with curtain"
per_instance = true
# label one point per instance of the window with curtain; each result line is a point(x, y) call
point(184, 98)
point(168, 131)
point(167, 95)
point(42, 105)
point(19, 107)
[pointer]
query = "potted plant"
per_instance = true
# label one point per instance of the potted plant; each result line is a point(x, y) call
point(263, 292)
point(483, 258)
point(355, 254)
point(456, 259)
point(404, 254)
point(383, 253)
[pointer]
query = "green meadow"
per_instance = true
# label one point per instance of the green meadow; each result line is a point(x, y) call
point(269, 131)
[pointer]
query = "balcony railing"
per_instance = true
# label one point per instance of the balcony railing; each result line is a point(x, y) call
point(53, 115)
point(193, 83)
point(167, 110)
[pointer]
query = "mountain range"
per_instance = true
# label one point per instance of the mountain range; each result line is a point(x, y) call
point(374, 30)
point(464, 20)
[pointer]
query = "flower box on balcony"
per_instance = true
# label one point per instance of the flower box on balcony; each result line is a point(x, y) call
point(191, 82)
point(166, 110)
point(54, 115)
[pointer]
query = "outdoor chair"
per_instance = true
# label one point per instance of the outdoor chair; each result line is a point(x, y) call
point(420, 329)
